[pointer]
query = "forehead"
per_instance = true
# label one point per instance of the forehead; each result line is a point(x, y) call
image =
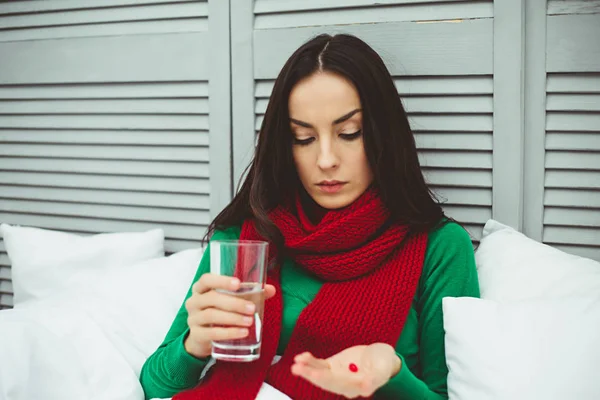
point(322, 96)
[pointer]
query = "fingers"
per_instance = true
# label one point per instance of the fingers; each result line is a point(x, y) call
point(214, 316)
point(269, 291)
point(218, 333)
point(220, 301)
point(211, 281)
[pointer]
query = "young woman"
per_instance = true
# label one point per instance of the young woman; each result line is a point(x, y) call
point(362, 253)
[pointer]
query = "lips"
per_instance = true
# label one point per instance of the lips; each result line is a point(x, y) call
point(331, 186)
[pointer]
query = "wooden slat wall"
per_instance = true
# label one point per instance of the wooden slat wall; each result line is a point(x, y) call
point(571, 219)
point(49, 19)
point(440, 54)
point(106, 124)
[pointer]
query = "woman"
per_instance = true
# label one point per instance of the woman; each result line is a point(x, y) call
point(362, 252)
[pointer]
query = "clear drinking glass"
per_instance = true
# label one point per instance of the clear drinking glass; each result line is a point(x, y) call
point(247, 261)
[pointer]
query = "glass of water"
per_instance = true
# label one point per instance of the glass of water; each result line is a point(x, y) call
point(247, 261)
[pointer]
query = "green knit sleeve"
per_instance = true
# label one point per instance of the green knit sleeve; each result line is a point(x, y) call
point(171, 369)
point(448, 271)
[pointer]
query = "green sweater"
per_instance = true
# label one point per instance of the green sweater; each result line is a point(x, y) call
point(448, 270)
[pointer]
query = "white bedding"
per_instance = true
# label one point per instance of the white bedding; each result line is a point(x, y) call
point(54, 353)
point(91, 342)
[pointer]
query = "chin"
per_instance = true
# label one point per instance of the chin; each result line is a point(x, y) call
point(334, 202)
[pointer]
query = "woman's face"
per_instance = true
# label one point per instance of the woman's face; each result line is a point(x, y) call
point(326, 122)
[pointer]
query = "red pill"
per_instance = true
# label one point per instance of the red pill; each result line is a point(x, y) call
point(352, 367)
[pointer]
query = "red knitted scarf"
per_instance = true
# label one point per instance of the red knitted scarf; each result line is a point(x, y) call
point(370, 282)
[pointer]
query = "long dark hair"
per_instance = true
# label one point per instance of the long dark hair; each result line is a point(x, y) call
point(388, 140)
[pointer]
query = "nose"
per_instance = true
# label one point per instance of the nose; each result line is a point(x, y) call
point(328, 157)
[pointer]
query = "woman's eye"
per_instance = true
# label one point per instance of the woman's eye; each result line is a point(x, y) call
point(303, 142)
point(350, 136)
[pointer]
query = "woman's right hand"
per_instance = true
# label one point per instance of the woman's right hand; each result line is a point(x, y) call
point(217, 316)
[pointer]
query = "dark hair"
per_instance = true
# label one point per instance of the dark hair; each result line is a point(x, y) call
point(388, 140)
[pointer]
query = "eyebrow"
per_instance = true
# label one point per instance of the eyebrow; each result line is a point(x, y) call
point(341, 119)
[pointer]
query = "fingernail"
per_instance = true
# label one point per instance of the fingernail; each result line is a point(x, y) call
point(250, 308)
point(248, 320)
point(235, 282)
point(244, 332)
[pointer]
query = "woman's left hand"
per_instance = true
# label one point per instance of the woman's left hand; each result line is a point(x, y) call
point(375, 365)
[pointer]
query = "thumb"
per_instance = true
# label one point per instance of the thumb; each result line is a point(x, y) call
point(269, 291)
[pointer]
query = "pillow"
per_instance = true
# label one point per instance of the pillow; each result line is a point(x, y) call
point(135, 306)
point(513, 267)
point(106, 331)
point(45, 262)
point(532, 349)
point(59, 353)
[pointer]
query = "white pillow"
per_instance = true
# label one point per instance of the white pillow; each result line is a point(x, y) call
point(45, 262)
point(135, 306)
point(535, 349)
point(105, 330)
point(56, 352)
point(513, 267)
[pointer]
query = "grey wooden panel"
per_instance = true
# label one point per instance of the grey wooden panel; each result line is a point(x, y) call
point(442, 85)
point(5, 275)
point(98, 15)
point(509, 44)
point(180, 25)
point(582, 251)
point(113, 137)
point(572, 201)
point(464, 196)
point(573, 141)
point(174, 153)
point(455, 159)
point(572, 179)
point(579, 236)
point(573, 83)
point(5, 286)
point(106, 121)
point(451, 123)
point(586, 217)
point(556, 7)
point(534, 118)
point(570, 46)
point(573, 160)
point(105, 106)
point(108, 167)
point(573, 102)
point(408, 48)
point(103, 90)
point(220, 105)
point(572, 198)
point(312, 13)
point(472, 178)
point(454, 141)
point(573, 121)
point(119, 212)
point(44, 5)
point(191, 231)
point(242, 88)
point(275, 6)
point(116, 59)
point(115, 182)
point(125, 197)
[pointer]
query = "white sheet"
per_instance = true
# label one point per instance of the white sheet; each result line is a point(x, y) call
point(59, 353)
